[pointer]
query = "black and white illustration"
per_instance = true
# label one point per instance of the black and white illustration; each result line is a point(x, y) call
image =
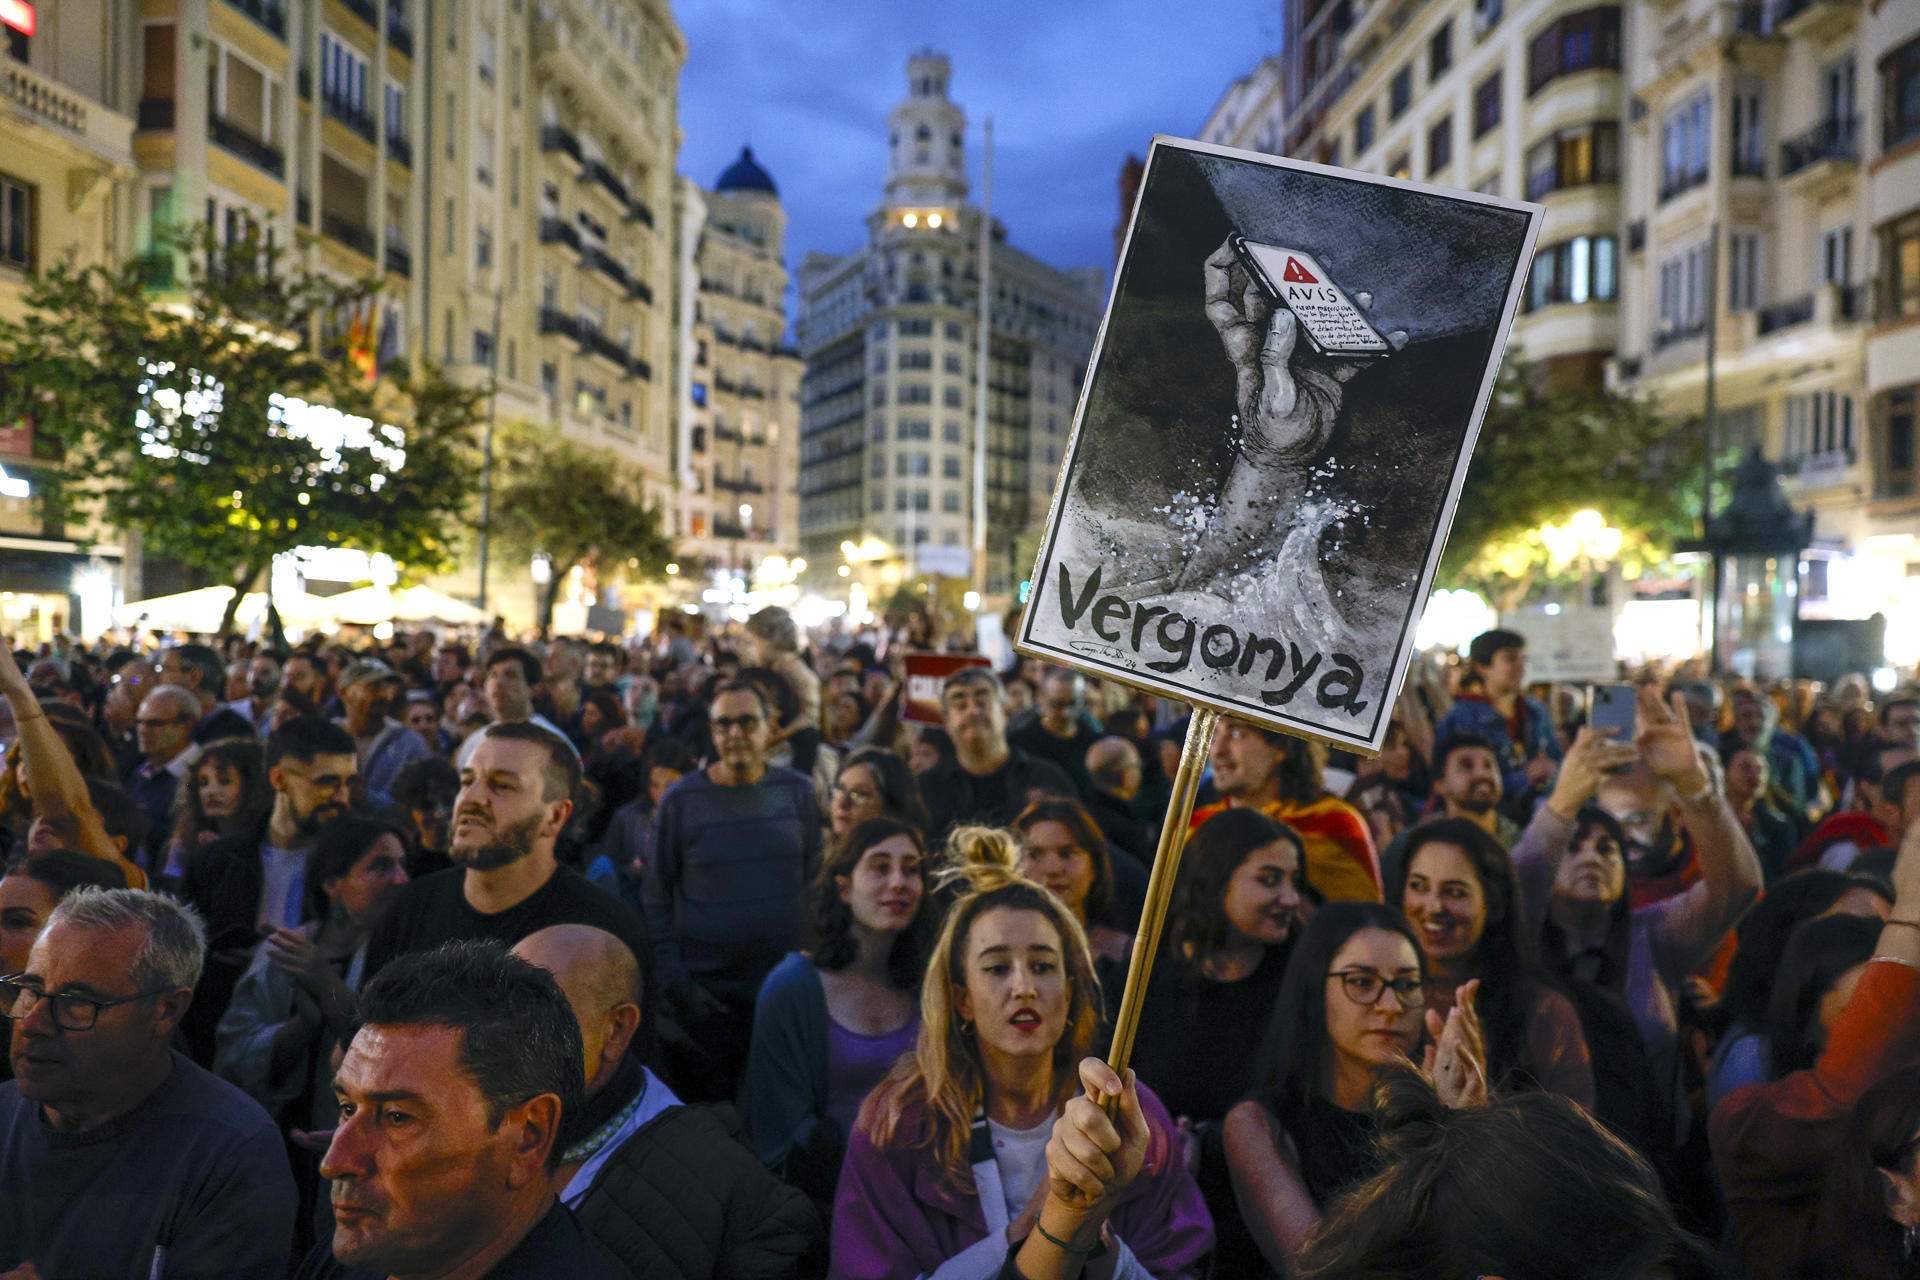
point(1276, 424)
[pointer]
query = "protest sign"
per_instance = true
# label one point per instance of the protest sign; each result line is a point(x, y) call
point(926, 672)
point(1275, 427)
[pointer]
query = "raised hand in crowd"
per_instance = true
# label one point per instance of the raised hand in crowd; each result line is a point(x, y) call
point(1594, 754)
point(1456, 1052)
point(1098, 1148)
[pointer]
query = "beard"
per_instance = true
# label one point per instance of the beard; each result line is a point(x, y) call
point(507, 846)
point(310, 824)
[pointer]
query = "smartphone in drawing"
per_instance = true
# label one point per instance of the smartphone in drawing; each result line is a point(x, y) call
point(1329, 320)
point(1610, 708)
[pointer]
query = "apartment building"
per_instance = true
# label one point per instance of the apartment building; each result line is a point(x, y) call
point(740, 500)
point(66, 187)
point(547, 251)
point(889, 335)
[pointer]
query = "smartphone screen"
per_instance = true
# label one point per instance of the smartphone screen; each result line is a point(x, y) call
point(1611, 707)
point(1292, 279)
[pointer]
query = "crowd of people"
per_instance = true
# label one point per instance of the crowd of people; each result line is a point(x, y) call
point(691, 957)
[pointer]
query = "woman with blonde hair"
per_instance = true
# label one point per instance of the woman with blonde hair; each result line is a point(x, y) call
point(947, 1164)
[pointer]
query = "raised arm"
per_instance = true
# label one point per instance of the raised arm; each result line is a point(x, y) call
point(1537, 854)
point(59, 788)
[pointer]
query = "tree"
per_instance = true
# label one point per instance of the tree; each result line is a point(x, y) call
point(577, 507)
point(1541, 456)
point(220, 428)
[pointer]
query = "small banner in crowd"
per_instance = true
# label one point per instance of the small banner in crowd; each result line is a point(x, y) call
point(926, 672)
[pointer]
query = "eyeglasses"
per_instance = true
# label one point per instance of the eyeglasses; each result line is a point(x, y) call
point(155, 722)
point(70, 1012)
point(855, 795)
point(1364, 986)
point(745, 724)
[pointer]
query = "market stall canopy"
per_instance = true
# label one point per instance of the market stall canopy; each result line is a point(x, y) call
point(370, 606)
point(200, 611)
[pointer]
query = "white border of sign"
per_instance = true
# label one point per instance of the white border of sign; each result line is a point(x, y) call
point(1374, 738)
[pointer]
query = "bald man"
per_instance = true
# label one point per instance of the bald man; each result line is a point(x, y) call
point(670, 1189)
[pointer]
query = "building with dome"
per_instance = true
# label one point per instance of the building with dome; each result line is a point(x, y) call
point(738, 445)
point(888, 406)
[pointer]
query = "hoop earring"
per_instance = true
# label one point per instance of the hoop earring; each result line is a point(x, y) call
point(966, 1028)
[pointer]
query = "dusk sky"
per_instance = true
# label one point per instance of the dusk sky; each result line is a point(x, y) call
point(1072, 87)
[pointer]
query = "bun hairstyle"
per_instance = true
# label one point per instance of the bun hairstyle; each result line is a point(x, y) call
point(1528, 1185)
point(943, 1081)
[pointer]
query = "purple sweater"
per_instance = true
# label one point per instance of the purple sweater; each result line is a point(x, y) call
point(894, 1219)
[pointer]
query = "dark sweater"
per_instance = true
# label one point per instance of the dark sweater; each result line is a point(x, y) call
point(730, 868)
point(955, 797)
point(197, 1167)
point(556, 1247)
point(683, 1199)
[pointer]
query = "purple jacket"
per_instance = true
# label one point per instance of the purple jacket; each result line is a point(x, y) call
point(894, 1219)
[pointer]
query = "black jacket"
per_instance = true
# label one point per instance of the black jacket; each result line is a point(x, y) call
point(684, 1199)
point(222, 883)
point(955, 797)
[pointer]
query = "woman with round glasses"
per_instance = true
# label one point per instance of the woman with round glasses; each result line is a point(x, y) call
point(1352, 1004)
point(873, 784)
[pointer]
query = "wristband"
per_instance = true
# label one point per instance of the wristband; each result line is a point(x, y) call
point(1094, 1250)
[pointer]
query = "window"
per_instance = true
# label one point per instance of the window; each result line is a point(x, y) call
point(395, 105)
point(1440, 146)
point(343, 75)
point(952, 398)
point(1583, 269)
point(1743, 271)
point(1749, 141)
point(879, 467)
point(550, 380)
point(1819, 424)
point(1440, 51)
point(1836, 257)
point(1400, 92)
point(1900, 95)
point(483, 54)
point(950, 503)
point(1684, 146)
point(950, 467)
point(1837, 97)
point(1486, 105)
point(1362, 130)
point(1682, 298)
point(483, 155)
point(1900, 251)
point(1575, 157)
point(482, 347)
point(950, 432)
point(447, 238)
point(1401, 166)
point(482, 247)
point(17, 208)
point(1577, 42)
point(19, 46)
point(1486, 15)
point(1900, 409)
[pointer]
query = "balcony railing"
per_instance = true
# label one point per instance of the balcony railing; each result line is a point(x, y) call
point(554, 231)
point(553, 321)
point(400, 149)
point(602, 345)
point(637, 211)
point(1834, 139)
point(1746, 165)
point(1665, 338)
point(597, 172)
point(640, 291)
point(347, 232)
point(641, 369)
point(366, 10)
point(352, 115)
point(399, 258)
point(399, 35)
point(555, 137)
point(1673, 184)
point(269, 15)
point(737, 484)
point(1784, 315)
point(598, 259)
point(154, 114)
point(257, 152)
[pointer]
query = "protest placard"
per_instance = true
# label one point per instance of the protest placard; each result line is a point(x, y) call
point(926, 672)
point(1275, 427)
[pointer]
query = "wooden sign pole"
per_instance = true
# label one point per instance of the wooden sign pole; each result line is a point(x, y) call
point(1166, 869)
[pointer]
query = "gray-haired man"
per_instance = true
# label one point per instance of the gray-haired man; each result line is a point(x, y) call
point(119, 1155)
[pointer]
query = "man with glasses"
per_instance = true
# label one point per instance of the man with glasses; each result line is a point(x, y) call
point(163, 728)
point(988, 780)
point(119, 1156)
point(249, 884)
point(198, 669)
point(1058, 730)
point(736, 845)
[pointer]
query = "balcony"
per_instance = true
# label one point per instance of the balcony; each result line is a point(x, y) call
point(399, 258)
point(637, 211)
point(154, 115)
point(640, 291)
point(603, 346)
point(1813, 20)
point(736, 484)
point(1776, 316)
point(257, 152)
point(641, 369)
point(597, 172)
point(595, 258)
point(302, 209)
point(555, 137)
point(1744, 165)
point(552, 321)
point(1637, 236)
point(366, 10)
point(554, 231)
point(1823, 158)
point(347, 232)
point(1665, 338)
point(1678, 184)
point(350, 114)
point(400, 150)
point(399, 35)
point(272, 17)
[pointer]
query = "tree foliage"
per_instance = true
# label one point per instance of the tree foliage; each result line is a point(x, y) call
point(178, 420)
point(578, 507)
point(1541, 456)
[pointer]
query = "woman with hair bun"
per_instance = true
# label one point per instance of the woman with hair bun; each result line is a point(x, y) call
point(948, 1162)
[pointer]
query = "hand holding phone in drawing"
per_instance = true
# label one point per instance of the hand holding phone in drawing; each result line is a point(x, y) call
point(1289, 381)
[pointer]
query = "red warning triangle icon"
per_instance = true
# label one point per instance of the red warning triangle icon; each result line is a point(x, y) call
point(1297, 274)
